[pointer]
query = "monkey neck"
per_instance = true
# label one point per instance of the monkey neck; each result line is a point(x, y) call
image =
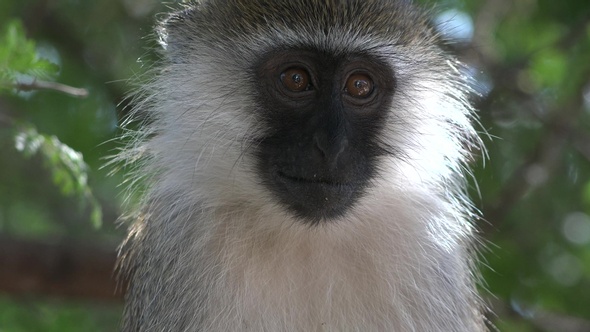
point(384, 269)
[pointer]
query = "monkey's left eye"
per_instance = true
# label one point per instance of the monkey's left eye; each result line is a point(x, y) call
point(359, 86)
point(296, 79)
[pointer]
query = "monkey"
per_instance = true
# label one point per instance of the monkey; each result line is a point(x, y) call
point(303, 166)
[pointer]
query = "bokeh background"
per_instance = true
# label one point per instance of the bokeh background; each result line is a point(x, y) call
point(65, 70)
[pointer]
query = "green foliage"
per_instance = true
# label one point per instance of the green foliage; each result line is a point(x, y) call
point(586, 196)
point(511, 325)
point(68, 170)
point(548, 68)
point(56, 316)
point(535, 187)
point(18, 56)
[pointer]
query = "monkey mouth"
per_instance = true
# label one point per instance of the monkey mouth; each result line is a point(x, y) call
point(314, 197)
point(313, 180)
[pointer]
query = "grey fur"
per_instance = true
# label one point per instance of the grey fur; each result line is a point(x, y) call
point(209, 250)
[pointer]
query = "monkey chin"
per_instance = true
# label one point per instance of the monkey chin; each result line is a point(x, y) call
point(315, 200)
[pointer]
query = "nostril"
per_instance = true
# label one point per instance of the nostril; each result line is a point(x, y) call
point(321, 145)
point(343, 145)
point(330, 150)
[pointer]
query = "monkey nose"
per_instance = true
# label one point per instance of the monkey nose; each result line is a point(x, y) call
point(330, 150)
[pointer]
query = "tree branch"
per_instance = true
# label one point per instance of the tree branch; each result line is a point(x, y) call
point(46, 85)
point(63, 270)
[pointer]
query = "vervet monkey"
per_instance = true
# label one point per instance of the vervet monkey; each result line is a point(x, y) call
point(305, 165)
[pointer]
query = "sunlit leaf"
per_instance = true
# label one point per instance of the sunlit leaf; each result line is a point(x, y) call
point(68, 169)
point(18, 56)
point(549, 68)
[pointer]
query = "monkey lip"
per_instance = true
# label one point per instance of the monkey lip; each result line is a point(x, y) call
point(314, 180)
point(314, 198)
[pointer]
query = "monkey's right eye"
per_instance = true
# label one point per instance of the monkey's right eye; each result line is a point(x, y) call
point(359, 86)
point(296, 79)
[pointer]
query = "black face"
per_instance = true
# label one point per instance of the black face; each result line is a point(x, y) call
point(325, 114)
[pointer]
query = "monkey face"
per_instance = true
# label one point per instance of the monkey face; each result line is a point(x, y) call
point(323, 115)
point(304, 111)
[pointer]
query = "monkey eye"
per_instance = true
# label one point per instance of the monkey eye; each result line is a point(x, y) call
point(296, 79)
point(359, 86)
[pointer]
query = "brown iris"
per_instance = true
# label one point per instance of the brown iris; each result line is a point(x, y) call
point(295, 79)
point(359, 85)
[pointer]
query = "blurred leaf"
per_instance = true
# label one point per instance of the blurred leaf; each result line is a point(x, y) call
point(55, 316)
point(520, 36)
point(549, 68)
point(514, 326)
point(586, 196)
point(68, 169)
point(18, 56)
